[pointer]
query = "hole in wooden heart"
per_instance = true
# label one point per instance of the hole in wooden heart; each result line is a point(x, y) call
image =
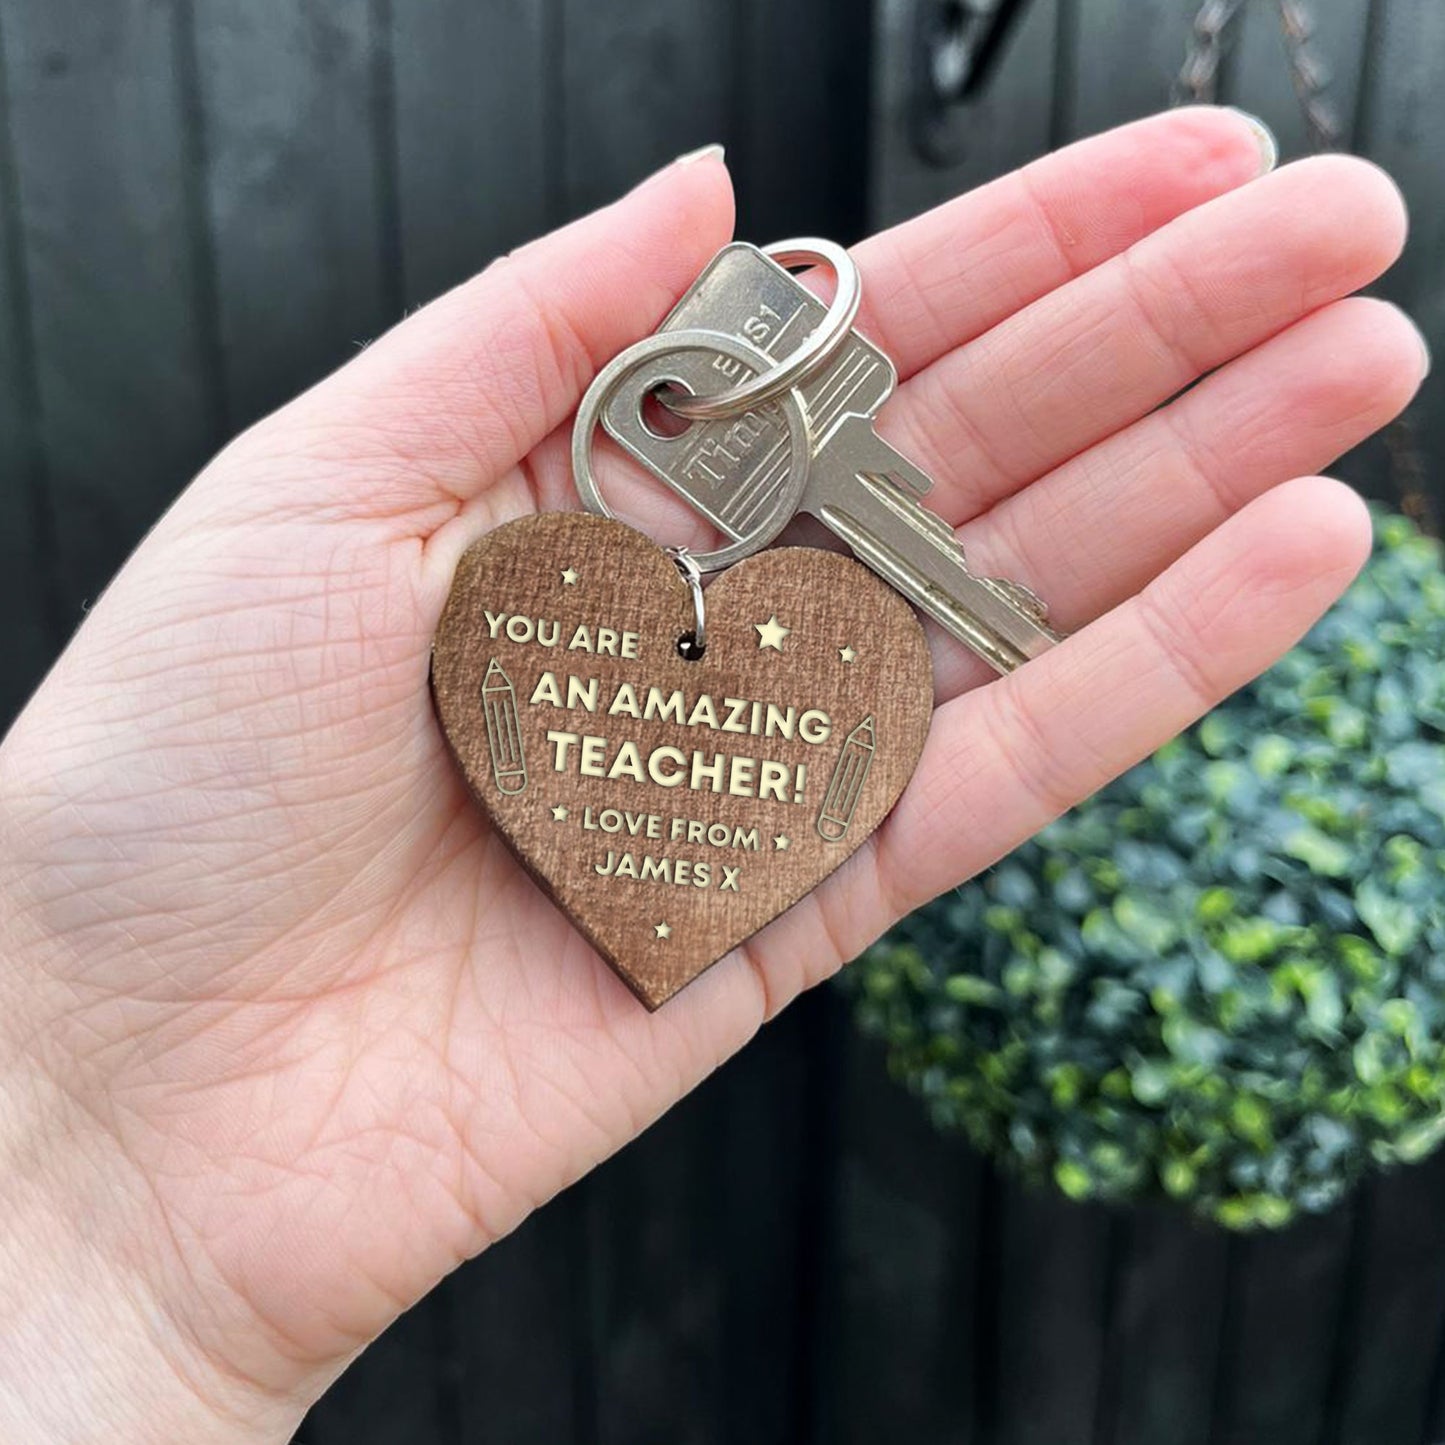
point(689, 648)
point(657, 418)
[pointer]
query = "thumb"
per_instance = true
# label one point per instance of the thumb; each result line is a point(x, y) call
point(462, 390)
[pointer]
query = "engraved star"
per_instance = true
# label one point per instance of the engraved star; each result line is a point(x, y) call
point(662, 930)
point(559, 814)
point(569, 576)
point(781, 843)
point(771, 633)
point(848, 653)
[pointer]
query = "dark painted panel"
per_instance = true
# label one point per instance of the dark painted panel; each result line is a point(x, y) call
point(296, 187)
point(477, 126)
point(1052, 1313)
point(901, 1330)
point(640, 84)
point(102, 133)
point(1008, 124)
point(1281, 1332)
point(1395, 1318)
point(1165, 1333)
point(28, 593)
point(393, 1392)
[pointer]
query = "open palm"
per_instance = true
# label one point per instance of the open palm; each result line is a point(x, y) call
point(313, 1035)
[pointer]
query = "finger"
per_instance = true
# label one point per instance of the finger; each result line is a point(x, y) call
point(1102, 351)
point(1099, 528)
point(944, 277)
point(465, 388)
point(1005, 759)
point(949, 275)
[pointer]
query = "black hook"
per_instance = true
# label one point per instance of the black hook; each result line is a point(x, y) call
point(956, 45)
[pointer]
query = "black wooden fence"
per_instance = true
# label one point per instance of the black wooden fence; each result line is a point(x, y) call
point(206, 203)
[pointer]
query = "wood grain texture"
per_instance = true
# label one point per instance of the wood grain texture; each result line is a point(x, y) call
point(811, 635)
point(123, 148)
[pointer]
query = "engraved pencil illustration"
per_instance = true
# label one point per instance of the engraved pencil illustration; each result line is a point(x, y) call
point(850, 772)
point(504, 730)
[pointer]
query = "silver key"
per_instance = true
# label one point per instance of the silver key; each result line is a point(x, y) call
point(734, 471)
point(861, 488)
point(866, 492)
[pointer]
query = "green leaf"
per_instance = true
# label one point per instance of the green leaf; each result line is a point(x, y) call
point(966, 988)
point(1395, 923)
point(1420, 1140)
point(1221, 980)
point(1073, 1179)
point(1251, 940)
point(1214, 905)
point(1150, 927)
point(1271, 755)
point(1318, 852)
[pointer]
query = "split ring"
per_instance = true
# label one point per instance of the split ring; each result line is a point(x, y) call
point(803, 361)
point(655, 350)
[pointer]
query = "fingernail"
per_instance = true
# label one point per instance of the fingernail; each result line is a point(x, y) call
point(702, 153)
point(1425, 352)
point(1263, 138)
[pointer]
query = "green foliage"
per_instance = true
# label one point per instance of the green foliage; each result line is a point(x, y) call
point(1221, 980)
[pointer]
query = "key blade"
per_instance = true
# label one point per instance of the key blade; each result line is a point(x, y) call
point(979, 611)
point(733, 470)
point(866, 492)
point(853, 445)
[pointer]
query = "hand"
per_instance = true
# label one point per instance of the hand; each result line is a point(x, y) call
point(289, 1034)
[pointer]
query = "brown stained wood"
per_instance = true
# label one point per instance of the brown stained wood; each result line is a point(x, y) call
point(721, 857)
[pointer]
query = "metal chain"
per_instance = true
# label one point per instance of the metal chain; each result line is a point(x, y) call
point(1311, 77)
point(1198, 79)
point(1198, 82)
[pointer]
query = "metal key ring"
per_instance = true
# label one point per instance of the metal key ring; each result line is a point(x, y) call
point(654, 349)
point(804, 360)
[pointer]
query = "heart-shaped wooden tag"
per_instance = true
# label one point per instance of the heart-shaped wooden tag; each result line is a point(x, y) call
point(672, 807)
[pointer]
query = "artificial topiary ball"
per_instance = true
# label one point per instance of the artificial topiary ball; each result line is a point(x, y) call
point(1222, 979)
